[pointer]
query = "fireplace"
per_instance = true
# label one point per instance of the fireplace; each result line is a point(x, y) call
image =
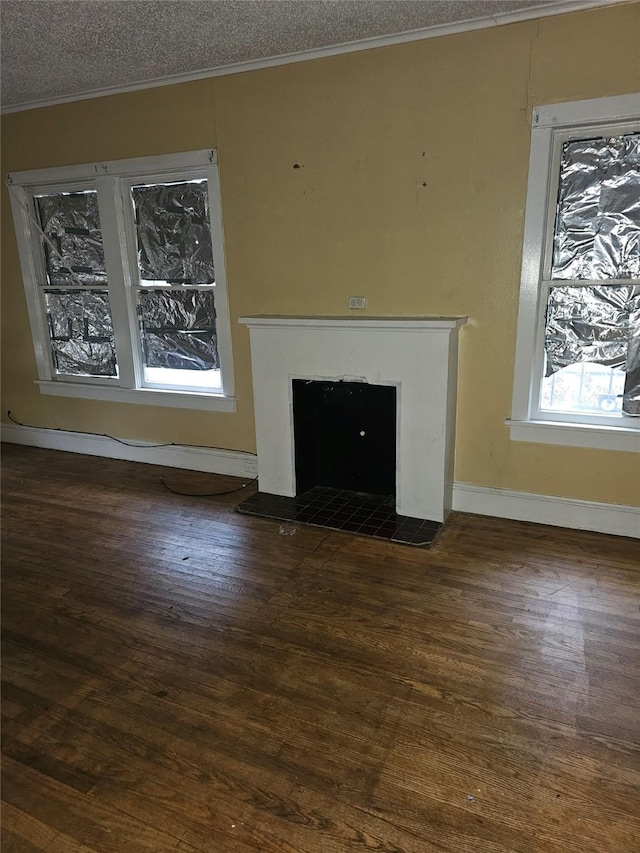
point(345, 436)
point(414, 357)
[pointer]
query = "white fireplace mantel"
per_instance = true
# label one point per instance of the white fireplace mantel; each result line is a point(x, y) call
point(404, 324)
point(418, 355)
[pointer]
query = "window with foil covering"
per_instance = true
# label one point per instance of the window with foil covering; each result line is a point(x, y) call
point(74, 285)
point(578, 351)
point(124, 272)
point(176, 283)
point(592, 331)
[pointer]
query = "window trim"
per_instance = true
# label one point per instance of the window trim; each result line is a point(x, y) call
point(148, 396)
point(551, 123)
point(111, 179)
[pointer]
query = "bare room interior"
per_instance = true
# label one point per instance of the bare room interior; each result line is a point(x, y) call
point(320, 426)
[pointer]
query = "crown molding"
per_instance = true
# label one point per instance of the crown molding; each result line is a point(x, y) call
point(437, 31)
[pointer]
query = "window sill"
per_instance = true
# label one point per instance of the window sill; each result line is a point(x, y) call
point(575, 435)
point(145, 396)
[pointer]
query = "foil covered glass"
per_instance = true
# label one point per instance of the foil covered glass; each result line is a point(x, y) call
point(179, 329)
point(71, 223)
point(631, 397)
point(174, 237)
point(81, 332)
point(597, 228)
point(599, 325)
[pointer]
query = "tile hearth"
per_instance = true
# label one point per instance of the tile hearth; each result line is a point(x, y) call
point(339, 509)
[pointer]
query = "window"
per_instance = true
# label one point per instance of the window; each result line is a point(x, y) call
point(123, 268)
point(577, 375)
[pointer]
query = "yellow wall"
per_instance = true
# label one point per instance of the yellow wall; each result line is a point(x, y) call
point(410, 190)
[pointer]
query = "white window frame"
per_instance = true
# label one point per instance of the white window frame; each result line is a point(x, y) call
point(113, 180)
point(552, 125)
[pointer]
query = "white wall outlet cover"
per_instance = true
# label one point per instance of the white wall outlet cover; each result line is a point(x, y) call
point(357, 303)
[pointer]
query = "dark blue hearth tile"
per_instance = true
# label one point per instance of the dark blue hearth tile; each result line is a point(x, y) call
point(322, 517)
point(387, 529)
point(333, 523)
point(361, 514)
point(369, 529)
point(406, 523)
point(350, 526)
point(342, 513)
point(286, 514)
point(403, 536)
point(383, 534)
point(338, 509)
point(380, 517)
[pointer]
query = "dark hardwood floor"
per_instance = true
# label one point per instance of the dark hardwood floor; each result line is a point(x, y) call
point(179, 677)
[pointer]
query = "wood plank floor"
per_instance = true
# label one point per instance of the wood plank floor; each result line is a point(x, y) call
point(178, 677)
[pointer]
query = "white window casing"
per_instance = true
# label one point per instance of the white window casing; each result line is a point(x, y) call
point(552, 126)
point(112, 182)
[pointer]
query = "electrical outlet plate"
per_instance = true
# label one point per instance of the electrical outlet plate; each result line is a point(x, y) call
point(357, 303)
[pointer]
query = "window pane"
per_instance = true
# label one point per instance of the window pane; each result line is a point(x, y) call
point(587, 324)
point(179, 337)
point(591, 342)
point(174, 237)
point(597, 232)
point(81, 332)
point(71, 223)
point(631, 400)
point(587, 388)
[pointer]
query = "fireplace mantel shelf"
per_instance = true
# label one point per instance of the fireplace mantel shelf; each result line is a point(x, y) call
point(367, 322)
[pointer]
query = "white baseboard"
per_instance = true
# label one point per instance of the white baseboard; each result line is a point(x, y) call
point(481, 500)
point(231, 462)
point(615, 519)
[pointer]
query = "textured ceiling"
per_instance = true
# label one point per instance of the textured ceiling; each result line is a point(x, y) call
point(54, 49)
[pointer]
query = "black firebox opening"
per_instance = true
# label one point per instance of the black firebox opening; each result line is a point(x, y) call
point(345, 436)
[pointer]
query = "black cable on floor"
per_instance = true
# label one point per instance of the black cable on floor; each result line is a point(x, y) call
point(207, 494)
